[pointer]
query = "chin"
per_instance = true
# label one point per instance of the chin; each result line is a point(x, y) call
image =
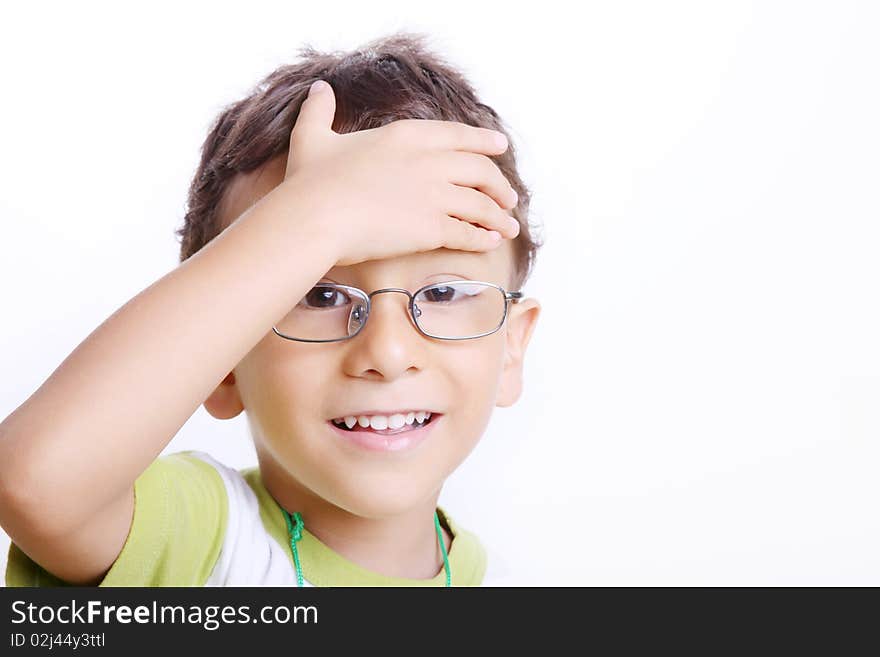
point(376, 500)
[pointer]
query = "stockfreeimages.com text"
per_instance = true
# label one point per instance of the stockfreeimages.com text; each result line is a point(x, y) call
point(210, 616)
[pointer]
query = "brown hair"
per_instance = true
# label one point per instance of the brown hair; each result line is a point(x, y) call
point(388, 79)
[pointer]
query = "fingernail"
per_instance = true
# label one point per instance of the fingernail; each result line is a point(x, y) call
point(514, 224)
point(317, 87)
point(501, 139)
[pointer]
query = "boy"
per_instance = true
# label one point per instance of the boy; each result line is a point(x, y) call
point(314, 209)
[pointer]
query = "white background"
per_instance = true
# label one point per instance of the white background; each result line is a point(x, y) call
point(701, 394)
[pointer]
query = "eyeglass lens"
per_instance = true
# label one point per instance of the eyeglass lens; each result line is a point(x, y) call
point(458, 309)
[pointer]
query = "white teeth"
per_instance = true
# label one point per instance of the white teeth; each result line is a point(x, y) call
point(380, 422)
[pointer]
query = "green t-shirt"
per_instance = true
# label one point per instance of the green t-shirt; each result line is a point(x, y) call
point(198, 522)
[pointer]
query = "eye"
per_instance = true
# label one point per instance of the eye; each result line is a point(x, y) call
point(325, 296)
point(439, 293)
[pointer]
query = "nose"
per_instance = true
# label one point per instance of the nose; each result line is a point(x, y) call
point(389, 345)
point(387, 312)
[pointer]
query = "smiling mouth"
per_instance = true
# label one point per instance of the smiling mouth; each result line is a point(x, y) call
point(387, 432)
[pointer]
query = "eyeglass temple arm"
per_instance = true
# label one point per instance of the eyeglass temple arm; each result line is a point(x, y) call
point(514, 296)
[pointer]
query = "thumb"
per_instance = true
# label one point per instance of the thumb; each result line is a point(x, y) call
point(317, 111)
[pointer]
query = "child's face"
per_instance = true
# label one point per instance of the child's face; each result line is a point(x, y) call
point(291, 390)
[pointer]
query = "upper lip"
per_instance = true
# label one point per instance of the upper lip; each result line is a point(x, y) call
point(389, 413)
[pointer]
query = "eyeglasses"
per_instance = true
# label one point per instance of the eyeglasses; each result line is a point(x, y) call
point(451, 310)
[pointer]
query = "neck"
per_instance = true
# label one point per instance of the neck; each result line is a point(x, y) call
point(404, 545)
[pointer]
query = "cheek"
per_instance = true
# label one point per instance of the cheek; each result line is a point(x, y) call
point(479, 362)
point(475, 376)
point(273, 387)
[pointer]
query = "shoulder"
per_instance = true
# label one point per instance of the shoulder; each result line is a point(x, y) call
point(480, 562)
point(180, 518)
point(468, 557)
point(253, 551)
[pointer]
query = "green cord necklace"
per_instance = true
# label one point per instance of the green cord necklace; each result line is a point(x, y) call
point(295, 527)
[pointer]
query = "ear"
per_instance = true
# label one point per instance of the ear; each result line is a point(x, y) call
point(225, 402)
point(521, 321)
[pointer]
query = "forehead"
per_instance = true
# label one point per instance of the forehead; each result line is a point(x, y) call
point(415, 269)
point(245, 189)
point(495, 266)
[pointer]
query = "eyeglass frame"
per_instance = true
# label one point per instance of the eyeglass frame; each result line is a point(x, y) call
point(508, 297)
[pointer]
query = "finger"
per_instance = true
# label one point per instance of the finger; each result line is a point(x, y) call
point(454, 136)
point(478, 172)
point(316, 112)
point(475, 207)
point(464, 236)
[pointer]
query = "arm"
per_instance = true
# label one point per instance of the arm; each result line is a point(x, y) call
point(69, 454)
